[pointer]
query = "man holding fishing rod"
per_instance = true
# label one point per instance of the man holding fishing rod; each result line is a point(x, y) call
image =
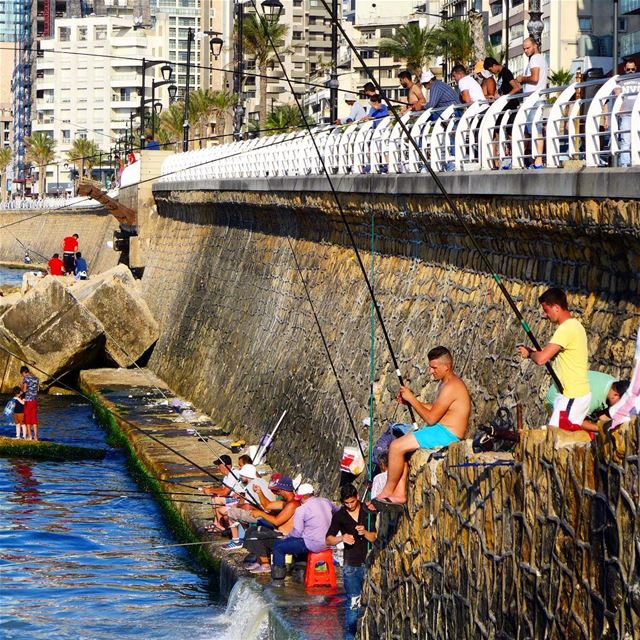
point(447, 419)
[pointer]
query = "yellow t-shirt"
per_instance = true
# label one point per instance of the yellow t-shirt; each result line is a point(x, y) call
point(572, 363)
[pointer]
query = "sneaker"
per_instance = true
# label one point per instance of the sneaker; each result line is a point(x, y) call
point(234, 545)
point(261, 568)
point(251, 566)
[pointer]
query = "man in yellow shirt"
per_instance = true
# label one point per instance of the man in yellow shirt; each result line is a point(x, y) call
point(570, 355)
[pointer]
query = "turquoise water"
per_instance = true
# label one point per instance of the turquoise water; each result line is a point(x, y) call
point(11, 276)
point(136, 592)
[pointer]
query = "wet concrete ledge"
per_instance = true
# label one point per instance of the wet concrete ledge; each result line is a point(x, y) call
point(550, 183)
point(128, 404)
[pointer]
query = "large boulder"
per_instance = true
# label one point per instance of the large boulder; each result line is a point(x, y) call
point(114, 299)
point(48, 328)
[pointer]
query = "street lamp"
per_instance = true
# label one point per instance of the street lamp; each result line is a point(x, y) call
point(535, 24)
point(173, 92)
point(333, 83)
point(273, 10)
point(167, 71)
point(215, 47)
point(154, 85)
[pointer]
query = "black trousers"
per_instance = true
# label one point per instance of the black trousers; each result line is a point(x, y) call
point(259, 541)
point(69, 261)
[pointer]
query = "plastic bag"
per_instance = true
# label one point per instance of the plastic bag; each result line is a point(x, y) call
point(9, 407)
point(352, 461)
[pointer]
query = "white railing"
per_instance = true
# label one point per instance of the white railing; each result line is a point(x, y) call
point(596, 123)
point(28, 204)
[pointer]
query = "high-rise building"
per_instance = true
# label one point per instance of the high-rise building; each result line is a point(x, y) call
point(97, 95)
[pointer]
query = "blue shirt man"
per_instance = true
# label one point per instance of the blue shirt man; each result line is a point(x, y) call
point(441, 95)
point(377, 111)
point(82, 270)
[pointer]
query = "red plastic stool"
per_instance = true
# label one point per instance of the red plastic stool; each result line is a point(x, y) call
point(320, 570)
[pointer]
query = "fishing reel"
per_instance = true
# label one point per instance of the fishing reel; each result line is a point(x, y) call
point(500, 435)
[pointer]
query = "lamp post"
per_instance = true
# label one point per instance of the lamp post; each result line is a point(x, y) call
point(132, 117)
point(238, 114)
point(615, 36)
point(535, 24)
point(154, 85)
point(167, 71)
point(334, 83)
point(215, 46)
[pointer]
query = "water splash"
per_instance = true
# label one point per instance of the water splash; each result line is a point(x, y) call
point(247, 614)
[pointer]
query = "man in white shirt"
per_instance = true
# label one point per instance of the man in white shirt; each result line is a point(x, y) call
point(357, 111)
point(535, 78)
point(470, 90)
point(629, 90)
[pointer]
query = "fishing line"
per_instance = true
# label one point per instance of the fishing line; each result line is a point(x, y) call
point(245, 73)
point(93, 554)
point(27, 250)
point(345, 222)
point(123, 493)
point(447, 197)
point(326, 347)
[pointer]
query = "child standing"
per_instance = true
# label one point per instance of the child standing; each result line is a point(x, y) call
point(18, 413)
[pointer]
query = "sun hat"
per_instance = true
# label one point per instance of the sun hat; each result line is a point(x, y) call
point(284, 483)
point(248, 471)
point(426, 76)
point(304, 490)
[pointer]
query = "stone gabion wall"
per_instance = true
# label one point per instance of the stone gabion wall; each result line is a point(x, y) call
point(546, 548)
point(239, 340)
point(43, 231)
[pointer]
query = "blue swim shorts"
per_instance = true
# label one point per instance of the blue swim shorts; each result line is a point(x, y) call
point(434, 436)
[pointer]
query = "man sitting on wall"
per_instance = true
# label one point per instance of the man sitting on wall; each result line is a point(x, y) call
point(447, 419)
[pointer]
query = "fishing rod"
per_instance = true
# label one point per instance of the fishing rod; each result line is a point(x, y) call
point(93, 554)
point(130, 424)
point(445, 193)
point(345, 222)
point(27, 250)
point(156, 177)
point(326, 347)
point(123, 493)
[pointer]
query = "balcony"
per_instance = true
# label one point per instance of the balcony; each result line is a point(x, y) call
point(629, 44)
point(629, 6)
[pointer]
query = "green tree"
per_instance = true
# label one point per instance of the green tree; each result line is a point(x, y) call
point(83, 154)
point(200, 114)
point(223, 104)
point(258, 34)
point(171, 123)
point(40, 150)
point(284, 118)
point(5, 161)
point(454, 42)
point(560, 78)
point(411, 43)
point(497, 53)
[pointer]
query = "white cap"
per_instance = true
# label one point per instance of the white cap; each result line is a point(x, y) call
point(426, 76)
point(248, 471)
point(485, 73)
point(304, 490)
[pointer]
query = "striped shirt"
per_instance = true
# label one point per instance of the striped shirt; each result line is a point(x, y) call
point(441, 96)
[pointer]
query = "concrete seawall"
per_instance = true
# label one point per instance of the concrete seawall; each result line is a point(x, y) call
point(239, 340)
point(43, 231)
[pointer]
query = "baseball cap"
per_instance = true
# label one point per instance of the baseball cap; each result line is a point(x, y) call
point(284, 483)
point(349, 98)
point(304, 490)
point(223, 459)
point(274, 478)
point(485, 73)
point(248, 471)
point(426, 76)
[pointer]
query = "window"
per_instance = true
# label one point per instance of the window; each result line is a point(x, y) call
point(82, 33)
point(101, 32)
point(496, 8)
point(622, 25)
point(66, 135)
point(496, 38)
point(297, 35)
point(585, 24)
point(516, 31)
point(65, 34)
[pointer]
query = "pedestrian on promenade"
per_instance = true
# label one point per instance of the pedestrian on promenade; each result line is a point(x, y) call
point(357, 111)
point(441, 95)
point(69, 248)
point(55, 266)
point(629, 91)
point(353, 525)
point(470, 90)
point(568, 348)
point(415, 97)
point(30, 388)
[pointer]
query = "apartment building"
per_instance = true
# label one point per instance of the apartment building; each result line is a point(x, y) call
point(95, 96)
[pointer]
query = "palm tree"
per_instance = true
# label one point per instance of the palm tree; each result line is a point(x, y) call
point(411, 43)
point(200, 113)
point(497, 53)
point(454, 41)
point(258, 34)
point(223, 104)
point(171, 124)
point(560, 78)
point(83, 154)
point(5, 161)
point(40, 149)
point(286, 117)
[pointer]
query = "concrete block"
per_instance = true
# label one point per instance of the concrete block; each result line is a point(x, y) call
point(113, 298)
point(49, 329)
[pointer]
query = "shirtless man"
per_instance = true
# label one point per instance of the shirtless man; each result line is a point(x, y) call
point(447, 419)
point(415, 97)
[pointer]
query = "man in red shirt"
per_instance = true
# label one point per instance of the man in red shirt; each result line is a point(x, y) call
point(69, 248)
point(55, 265)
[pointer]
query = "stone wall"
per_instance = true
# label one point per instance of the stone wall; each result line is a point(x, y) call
point(43, 231)
point(238, 337)
point(546, 548)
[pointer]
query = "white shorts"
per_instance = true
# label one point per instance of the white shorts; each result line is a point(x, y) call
point(576, 408)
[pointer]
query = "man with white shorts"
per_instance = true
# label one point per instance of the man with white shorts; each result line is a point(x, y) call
point(569, 352)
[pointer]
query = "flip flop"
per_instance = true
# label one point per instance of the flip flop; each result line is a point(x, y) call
point(384, 504)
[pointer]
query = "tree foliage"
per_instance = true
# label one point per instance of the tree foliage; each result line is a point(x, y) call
point(5, 161)
point(40, 150)
point(83, 154)
point(560, 78)
point(411, 43)
point(284, 118)
point(453, 40)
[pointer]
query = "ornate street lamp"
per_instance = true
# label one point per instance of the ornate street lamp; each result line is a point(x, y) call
point(215, 45)
point(535, 24)
point(167, 71)
point(173, 92)
point(272, 10)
